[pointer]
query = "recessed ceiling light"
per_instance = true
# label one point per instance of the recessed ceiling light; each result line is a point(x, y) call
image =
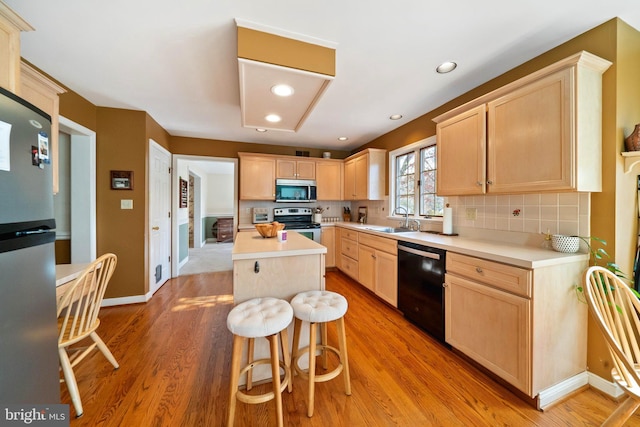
point(395, 116)
point(343, 138)
point(446, 67)
point(260, 130)
point(282, 90)
point(273, 118)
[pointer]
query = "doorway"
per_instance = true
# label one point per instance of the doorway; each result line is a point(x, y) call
point(208, 182)
point(82, 192)
point(159, 216)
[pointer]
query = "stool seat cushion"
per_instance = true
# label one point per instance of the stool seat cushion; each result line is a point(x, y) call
point(319, 306)
point(259, 317)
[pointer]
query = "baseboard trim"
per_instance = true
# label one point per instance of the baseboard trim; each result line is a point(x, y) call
point(558, 391)
point(607, 387)
point(136, 299)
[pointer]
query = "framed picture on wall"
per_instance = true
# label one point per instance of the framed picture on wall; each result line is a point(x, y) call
point(122, 180)
point(184, 193)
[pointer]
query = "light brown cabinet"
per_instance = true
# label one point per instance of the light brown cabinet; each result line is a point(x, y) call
point(329, 178)
point(11, 25)
point(364, 175)
point(43, 93)
point(348, 254)
point(295, 169)
point(257, 177)
point(378, 266)
point(542, 134)
point(524, 325)
point(328, 240)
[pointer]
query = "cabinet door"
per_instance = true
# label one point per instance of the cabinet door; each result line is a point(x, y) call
point(461, 144)
point(362, 177)
point(286, 168)
point(492, 327)
point(328, 240)
point(329, 180)
point(350, 180)
point(387, 277)
point(306, 169)
point(257, 178)
point(530, 137)
point(366, 266)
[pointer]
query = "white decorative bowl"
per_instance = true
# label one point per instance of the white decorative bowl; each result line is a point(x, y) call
point(561, 243)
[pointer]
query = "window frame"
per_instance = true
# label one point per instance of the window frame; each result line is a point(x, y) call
point(414, 147)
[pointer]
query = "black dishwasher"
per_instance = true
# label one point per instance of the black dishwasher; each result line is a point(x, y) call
point(420, 286)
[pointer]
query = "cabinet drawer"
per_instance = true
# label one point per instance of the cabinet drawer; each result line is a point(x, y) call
point(349, 266)
point(349, 248)
point(506, 277)
point(349, 234)
point(380, 243)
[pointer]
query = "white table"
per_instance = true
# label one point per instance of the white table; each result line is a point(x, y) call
point(67, 273)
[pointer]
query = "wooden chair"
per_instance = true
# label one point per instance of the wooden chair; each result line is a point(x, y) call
point(616, 308)
point(78, 319)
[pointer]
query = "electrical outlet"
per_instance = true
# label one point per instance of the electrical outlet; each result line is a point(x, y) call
point(472, 214)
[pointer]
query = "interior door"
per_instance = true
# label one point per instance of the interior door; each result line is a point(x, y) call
point(159, 216)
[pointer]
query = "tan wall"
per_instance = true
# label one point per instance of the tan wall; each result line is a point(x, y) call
point(121, 145)
point(217, 148)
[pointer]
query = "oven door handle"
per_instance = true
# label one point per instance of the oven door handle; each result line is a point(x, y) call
point(419, 252)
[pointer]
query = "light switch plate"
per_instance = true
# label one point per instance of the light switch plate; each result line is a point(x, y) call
point(126, 204)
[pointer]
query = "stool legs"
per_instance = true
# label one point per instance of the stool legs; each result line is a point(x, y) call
point(344, 359)
point(312, 368)
point(275, 376)
point(238, 342)
point(324, 348)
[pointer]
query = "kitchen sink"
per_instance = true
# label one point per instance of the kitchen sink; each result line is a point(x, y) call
point(389, 229)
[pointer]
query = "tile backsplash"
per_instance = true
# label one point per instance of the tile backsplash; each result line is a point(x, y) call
point(556, 213)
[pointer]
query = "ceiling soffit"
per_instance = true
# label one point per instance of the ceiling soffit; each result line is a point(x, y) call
point(266, 59)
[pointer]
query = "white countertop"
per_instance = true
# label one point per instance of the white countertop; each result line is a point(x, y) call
point(251, 244)
point(518, 255)
point(67, 272)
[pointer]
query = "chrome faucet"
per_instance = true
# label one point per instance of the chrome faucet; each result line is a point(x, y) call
point(416, 223)
point(406, 215)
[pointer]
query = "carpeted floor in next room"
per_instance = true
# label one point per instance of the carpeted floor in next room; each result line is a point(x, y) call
point(211, 257)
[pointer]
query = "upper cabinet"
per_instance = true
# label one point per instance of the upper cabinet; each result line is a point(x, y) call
point(295, 169)
point(43, 93)
point(329, 176)
point(364, 175)
point(10, 27)
point(257, 177)
point(541, 133)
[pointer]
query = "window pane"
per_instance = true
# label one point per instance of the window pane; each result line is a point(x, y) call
point(405, 182)
point(430, 203)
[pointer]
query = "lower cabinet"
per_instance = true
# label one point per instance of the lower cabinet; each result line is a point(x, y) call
point(328, 240)
point(524, 325)
point(372, 261)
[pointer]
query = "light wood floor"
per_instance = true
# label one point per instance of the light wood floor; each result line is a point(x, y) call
point(174, 355)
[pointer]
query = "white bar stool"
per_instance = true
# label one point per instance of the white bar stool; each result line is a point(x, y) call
point(260, 318)
point(318, 308)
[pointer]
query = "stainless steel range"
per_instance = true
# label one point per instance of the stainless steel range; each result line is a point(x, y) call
point(300, 220)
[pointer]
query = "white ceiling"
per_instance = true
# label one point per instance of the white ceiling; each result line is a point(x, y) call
point(177, 60)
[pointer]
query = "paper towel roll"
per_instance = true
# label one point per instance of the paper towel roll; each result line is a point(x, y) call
point(447, 221)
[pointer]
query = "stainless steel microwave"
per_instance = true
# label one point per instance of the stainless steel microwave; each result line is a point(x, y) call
point(295, 190)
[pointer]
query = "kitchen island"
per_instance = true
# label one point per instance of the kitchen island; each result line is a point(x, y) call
point(265, 267)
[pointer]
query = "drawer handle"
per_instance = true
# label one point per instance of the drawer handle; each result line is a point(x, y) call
point(256, 267)
point(478, 270)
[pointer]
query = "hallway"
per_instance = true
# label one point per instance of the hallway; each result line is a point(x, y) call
point(212, 257)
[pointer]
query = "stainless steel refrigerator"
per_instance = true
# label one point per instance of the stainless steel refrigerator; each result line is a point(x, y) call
point(28, 324)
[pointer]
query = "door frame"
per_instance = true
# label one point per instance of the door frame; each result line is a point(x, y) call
point(175, 248)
